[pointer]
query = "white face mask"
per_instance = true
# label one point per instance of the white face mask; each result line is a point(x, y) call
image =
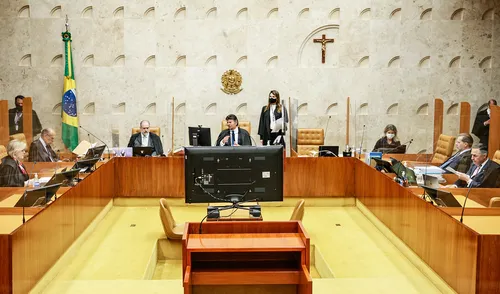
point(488, 111)
point(390, 136)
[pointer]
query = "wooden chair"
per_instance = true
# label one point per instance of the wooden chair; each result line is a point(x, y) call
point(444, 149)
point(172, 230)
point(3, 152)
point(154, 130)
point(496, 157)
point(246, 125)
point(309, 140)
point(495, 201)
point(298, 211)
point(19, 137)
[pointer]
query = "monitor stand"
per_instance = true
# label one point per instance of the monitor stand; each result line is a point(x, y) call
point(213, 212)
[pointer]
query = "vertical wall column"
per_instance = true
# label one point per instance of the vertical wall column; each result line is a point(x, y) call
point(438, 121)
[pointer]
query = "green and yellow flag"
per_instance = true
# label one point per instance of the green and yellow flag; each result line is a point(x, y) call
point(69, 113)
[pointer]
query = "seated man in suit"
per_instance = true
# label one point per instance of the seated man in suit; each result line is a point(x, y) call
point(461, 160)
point(16, 118)
point(483, 173)
point(234, 135)
point(144, 139)
point(40, 150)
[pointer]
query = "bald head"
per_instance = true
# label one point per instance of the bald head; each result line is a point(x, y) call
point(48, 136)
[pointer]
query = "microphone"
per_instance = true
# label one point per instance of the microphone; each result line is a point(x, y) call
point(324, 151)
point(326, 128)
point(253, 140)
point(361, 145)
point(465, 201)
point(89, 133)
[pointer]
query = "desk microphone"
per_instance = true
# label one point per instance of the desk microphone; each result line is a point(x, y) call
point(253, 140)
point(24, 204)
point(361, 145)
point(326, 128)
point(89, 133)
point(465, 201)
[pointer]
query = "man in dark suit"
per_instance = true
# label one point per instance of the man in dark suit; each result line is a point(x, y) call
point(16, 118)
point(40, 150)
point(461, 160)
point(481, 126)
point(233, 135)
point(146, 139)
point(484, 173)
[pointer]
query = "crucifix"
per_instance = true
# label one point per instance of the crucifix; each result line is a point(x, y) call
point(323, 42)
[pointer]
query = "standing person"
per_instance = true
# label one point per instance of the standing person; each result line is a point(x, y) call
point(16, 118)
point(481, 126)
point(273, 120)
point(234, 135)
point(13, 173)
point(389, 140)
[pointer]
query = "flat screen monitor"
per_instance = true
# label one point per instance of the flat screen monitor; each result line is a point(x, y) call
point(85, 165)
point(399, 168)
point(381, 164)
point(64, 178)
point(199, 136)
point(95, 152)
point(399, 149)
point(442, 198)
point(37, 197)
point(328, 151)
point(142, 151)
point(232, 174)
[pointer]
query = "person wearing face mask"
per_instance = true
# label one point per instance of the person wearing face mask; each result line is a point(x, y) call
point(13, 173)
point(390, 140)
point(16, 118)
point(271, 131)
point(481, 126)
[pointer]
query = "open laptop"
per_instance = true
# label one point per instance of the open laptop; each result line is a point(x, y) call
point(95, 152)
point(64, 178)
point(431, 181)
point(381, 164)
point(142, 151)
point(85, 165)
point(328, 151)
point(442, 198)
point(399, 168)
point(37, 197)
point(399, 149)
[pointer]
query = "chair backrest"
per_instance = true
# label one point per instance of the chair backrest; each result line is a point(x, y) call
point(311, 137)
point(3, 151)
point(154, 130)
point(20, 137)
point(246, 125)
point(444, 148)
point(496, 157)
point(307, 150)
point(167, 220)
point(495, 201)
point(298, 211)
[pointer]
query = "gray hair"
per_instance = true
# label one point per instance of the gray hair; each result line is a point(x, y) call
point(48, 131)
point(483, 150)
point(14, 146)
point(140, 124)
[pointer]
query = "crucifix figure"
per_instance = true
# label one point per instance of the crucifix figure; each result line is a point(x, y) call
point(323, 42)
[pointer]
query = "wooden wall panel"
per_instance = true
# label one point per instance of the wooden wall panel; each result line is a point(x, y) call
point(438, 120)
point(488, 277)
point(28, 120)
point(5, 264)
point(464, 117)
point(494, 138)
point(41, 241)
point(4, 122)
point(446, 245)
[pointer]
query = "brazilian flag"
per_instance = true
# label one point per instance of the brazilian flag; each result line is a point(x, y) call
point(69, 113)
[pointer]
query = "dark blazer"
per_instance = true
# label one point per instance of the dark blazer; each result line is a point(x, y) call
point(38, 153)
point(37, 126)
point(265, 122)
point(459, 163)
point(10, 173)
point(479, 129)
point(154, 141)
point(488, 177)
point(382, 143)
point(243, 138)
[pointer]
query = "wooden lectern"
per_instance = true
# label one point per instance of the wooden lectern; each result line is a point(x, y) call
point(246, 257)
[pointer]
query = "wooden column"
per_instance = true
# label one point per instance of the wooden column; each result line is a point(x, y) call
point(28, 120)
point(173, 124)
point(347, 120)
point(4, 122)
point(494, 138)
point(438, 121)
point(464, 117)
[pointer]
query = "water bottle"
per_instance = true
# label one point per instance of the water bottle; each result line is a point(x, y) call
point(36, 182)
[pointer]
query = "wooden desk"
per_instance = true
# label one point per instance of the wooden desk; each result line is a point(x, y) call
point(274, 256)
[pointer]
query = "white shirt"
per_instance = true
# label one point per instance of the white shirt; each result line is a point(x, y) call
point(145, 140)
point(45, 147)
point(236, 131)
point(273, 118)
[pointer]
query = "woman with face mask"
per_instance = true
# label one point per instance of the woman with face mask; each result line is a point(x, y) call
point(271, 131)
point(389, 140)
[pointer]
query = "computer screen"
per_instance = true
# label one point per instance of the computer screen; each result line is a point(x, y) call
point(95, 152)
point(229, 174)
point(85, 165)
point(199, 136)
point(142, 151)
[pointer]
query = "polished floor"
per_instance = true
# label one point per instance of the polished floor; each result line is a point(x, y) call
point(119, 255)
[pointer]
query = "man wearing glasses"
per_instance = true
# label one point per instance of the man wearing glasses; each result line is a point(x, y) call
point(40, 150)
point(146, 139)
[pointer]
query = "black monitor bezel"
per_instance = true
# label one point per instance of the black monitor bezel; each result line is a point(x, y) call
point(206, 138)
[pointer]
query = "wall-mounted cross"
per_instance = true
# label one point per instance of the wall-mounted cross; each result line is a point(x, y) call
point(323, 42)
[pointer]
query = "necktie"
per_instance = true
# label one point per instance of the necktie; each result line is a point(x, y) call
point(476, 171)
point(22, 169)
point(49, 151)
point(232, 138)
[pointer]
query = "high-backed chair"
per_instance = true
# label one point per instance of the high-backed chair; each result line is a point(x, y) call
point(154, 130)
point(3, 152)
point(19, 137)
point(495, 201)
point(309, 140)
point(496, 157)
point(298, 211)
point(246, 125)
point(444, 149)
point(172, 230)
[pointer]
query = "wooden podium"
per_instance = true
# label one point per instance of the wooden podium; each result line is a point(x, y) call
point(246, 257)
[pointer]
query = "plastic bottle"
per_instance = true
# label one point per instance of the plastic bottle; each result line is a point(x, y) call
point(36, 182)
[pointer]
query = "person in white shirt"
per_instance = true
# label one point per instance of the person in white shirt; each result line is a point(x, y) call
point(273, 120)
point(233, 135)
point(146, 139)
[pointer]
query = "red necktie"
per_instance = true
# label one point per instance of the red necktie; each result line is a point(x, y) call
point(22, 169)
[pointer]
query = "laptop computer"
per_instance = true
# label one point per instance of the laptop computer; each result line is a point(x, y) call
point(328, 151)
point(64, 178)
point(85, 165)
point(399, 149)
point(430, 181)
point(399, 168)
point(95, 152)
point(142, 151)
point(442, 198)
point(37, 197)
point(381, 164)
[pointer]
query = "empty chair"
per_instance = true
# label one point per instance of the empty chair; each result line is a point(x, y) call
point(298, 211)
point(495, 201)
point(309, 140)
point(496, 157)
point(172, 230)
point(444, 149)
point(3, 151)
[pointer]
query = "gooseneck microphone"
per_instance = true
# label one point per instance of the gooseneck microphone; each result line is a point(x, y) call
point(463, 207)
point(88, 132)
point(361, 145)
point(326, 128)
